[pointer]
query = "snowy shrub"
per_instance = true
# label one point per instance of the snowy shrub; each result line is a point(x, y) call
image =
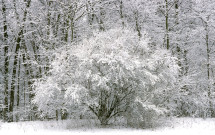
point(143, 115)
point(106, 74)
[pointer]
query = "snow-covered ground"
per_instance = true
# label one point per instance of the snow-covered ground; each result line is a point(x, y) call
point(179, 126)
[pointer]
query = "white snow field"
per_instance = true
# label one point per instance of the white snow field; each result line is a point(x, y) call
point(176, 126)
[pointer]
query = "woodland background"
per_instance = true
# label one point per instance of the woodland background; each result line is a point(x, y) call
point(31, 31)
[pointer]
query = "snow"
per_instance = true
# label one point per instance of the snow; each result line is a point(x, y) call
point(182, 126)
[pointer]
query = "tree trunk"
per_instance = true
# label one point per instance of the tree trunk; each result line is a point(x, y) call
point(208, 69)
point(138, 28)
point(6, 62)
point(167, 24)
point(121, 13)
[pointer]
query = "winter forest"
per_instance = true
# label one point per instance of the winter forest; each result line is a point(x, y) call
point(108, 60)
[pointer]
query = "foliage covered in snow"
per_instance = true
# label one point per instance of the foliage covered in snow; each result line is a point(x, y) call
point(106, 73)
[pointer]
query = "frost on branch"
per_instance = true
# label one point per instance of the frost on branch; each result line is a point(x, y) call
point(106, 74)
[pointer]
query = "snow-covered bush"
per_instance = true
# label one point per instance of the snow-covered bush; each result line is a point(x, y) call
point(107, 74)
point(144, 116)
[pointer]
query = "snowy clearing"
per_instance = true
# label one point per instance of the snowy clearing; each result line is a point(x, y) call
point(185, 126)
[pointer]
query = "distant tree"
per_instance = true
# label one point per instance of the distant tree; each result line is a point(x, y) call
point(4, 47)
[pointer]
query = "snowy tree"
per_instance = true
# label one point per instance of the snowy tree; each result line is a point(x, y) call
point(106, 73)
